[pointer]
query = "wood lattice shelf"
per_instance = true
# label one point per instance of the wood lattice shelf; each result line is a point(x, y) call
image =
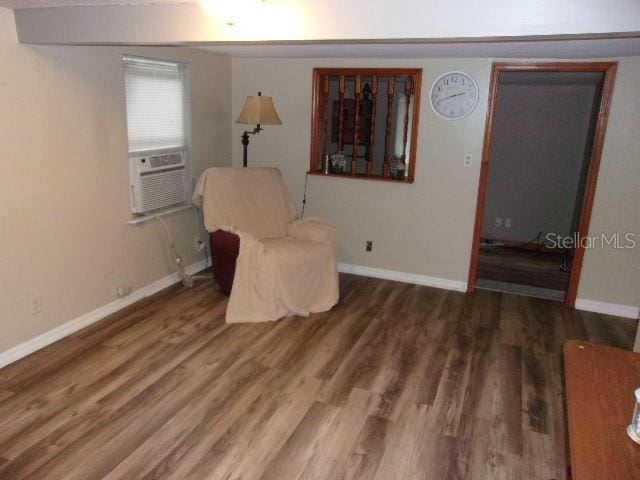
point(371, 115)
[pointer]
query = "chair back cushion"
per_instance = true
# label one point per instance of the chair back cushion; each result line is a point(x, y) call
point(250, 200)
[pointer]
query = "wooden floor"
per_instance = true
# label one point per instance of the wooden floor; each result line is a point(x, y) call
point(396, 382)
point(524, 267)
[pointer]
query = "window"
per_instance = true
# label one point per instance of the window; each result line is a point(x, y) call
point(157, 131)
point(364, 124)
point(155, 94)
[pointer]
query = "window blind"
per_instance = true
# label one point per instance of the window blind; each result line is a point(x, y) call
point(155, 104)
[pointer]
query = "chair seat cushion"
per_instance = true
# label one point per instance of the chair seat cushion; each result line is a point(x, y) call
point(277, 277)
point(288, 253)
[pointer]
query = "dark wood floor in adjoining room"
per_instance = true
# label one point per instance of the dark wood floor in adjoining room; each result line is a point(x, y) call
point(524, 266)
point(396, 382)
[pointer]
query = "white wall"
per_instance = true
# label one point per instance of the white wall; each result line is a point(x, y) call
point(426, 228)
point(422, 228)
point(64, 185)
point(611, 275)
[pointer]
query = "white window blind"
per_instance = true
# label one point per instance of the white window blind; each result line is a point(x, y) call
point(155, 104)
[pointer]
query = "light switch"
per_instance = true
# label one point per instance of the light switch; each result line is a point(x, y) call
point(468, 158)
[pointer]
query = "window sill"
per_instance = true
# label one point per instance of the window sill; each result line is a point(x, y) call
point(406, 180)
point(140, 219)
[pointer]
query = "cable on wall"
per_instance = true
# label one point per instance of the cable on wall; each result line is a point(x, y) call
point(184, 277)
point(205, 244)
point(304, 195)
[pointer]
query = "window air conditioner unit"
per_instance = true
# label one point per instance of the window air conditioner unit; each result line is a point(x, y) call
point(158, 181)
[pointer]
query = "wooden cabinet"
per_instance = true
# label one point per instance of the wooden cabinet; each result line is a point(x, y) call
point(600, 385)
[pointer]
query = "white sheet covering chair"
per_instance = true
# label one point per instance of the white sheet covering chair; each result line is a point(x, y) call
point(285, 266)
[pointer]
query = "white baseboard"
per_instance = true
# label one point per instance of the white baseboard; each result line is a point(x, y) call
point(47, 338)
point(89, 318)
point(414, 278)
point(626, 311)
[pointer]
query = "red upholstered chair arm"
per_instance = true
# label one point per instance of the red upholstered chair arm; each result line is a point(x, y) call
point(225, 242)
point(225, 247)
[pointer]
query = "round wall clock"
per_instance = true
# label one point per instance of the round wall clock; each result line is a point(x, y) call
point(454, 95)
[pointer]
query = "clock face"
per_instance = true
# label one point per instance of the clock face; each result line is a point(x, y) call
point(454, 95)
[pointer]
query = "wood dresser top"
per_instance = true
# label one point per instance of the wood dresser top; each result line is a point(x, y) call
point(600, 384)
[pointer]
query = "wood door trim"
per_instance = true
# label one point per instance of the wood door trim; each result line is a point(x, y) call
point(609, 70)
point(484, 172)
point(591, 181)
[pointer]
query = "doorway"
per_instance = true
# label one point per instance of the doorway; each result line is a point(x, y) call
point(543, 142)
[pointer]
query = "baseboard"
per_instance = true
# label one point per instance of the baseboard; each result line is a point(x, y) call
point(626, 311)
point(47, 338)
point(414, 278)
point(35, 344)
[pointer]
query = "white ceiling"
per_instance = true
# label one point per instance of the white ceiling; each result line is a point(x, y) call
point(23, 4)
point(575, 49)
point(185, 26)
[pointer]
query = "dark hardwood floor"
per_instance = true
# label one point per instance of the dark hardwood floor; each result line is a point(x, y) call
point(524, 267)
point(396, 382)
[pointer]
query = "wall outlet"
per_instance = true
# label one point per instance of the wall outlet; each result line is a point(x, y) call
point(468, 160)
point(498, 222)
point(36, 305)
point(368, 245)
point(123, 290)
point(199, 244)
point(507, 223)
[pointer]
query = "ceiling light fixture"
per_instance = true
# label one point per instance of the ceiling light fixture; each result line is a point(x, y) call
point(229, 11)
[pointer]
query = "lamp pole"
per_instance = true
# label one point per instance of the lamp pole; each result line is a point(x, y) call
point(245, 140)
point(245, 144)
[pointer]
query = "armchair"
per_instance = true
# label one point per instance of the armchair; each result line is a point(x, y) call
point(270, 264)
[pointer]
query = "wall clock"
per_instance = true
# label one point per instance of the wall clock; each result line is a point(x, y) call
point(454, 95)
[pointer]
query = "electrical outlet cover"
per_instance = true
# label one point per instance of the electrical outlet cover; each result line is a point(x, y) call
point(199, 244)
point(36, 304)
point(124, 290)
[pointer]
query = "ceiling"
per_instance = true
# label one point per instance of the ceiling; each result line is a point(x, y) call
point(594, 48)
point(324, 32)
point(23, 4)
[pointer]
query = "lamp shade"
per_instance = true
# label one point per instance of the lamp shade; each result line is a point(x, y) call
point(259, 110)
